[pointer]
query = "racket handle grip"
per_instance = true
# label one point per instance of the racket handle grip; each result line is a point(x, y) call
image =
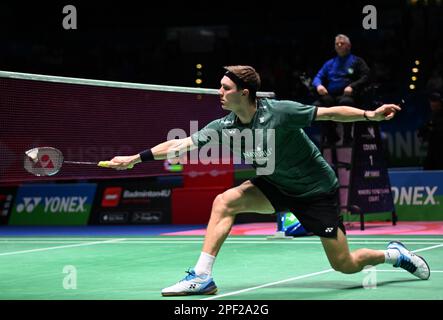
point(105, 164)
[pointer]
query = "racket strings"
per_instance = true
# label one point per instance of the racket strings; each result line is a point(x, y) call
point(47, 161)
point(43, 161)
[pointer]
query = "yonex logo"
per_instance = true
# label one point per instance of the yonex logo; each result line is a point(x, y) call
point(417, 195)
point(65, 204)
point(53, 204)
point(370, 134)
point(44, 162)
point(328, 230)
point(28, 204)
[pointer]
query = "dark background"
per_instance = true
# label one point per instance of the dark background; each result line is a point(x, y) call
point(161, 43)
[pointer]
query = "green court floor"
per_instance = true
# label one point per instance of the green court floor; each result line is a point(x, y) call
point(247, 268)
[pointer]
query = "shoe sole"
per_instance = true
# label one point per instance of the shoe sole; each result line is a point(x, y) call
point(427, 265)
point(170, 294)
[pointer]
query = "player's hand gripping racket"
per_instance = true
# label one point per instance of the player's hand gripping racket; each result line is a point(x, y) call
point(47, 161)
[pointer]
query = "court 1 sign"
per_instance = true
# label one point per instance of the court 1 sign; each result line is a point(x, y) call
point(418, 195)
point(53, 204)
point(369, 183)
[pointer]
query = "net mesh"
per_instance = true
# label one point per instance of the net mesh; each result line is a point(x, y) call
point(90, 120)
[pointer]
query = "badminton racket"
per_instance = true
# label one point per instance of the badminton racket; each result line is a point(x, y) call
point(47, 161)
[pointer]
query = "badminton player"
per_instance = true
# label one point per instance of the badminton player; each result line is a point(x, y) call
point(302, 181)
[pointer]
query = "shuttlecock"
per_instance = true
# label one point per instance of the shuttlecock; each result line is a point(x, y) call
point(33, 154)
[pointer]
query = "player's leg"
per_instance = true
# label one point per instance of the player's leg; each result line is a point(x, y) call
point(341, 259)
point(244, 198)
point(321, 216)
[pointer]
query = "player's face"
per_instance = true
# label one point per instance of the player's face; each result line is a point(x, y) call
point(230, 97)
point(342, 47)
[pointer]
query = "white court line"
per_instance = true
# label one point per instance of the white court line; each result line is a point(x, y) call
point(266, 243)
point(432, 271)
point(269, 284)
point(246, 238)
point(396, 238)
point(428, 248)
point(49, 238)
point(237, 238)
point(292, 279)
point(273, 242)
point(60, 247)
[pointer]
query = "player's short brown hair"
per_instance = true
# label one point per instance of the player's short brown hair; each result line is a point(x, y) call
point(250, 79)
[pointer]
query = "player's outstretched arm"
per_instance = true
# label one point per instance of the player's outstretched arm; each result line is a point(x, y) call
point(171, 149)
point(350, 114)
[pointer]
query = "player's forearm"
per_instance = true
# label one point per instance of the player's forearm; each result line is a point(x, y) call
point(348, 114)
point(170, 149)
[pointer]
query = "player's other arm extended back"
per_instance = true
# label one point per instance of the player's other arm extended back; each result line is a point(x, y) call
point(350, 114)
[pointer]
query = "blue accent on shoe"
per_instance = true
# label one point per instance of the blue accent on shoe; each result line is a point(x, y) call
point(205, 287)
point(410, 261)
point(209, 286)
point(405, 263)
point(191, 275)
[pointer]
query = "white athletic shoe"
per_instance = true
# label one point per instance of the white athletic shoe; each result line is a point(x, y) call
point(410, 261)
point(191, 285)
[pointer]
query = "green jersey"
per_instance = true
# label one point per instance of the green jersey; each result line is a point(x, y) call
point(275, 134)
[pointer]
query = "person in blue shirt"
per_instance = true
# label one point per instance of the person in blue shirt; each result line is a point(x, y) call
point(340, 82)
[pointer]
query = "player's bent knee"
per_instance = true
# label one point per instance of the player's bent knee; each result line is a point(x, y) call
point(223, 204)
point(218, 204)
point(342, 268)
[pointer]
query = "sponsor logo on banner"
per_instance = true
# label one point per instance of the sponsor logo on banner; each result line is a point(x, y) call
point(120, 217)
point(6, 202)
point(418, 195)
point(114, 196)
point(53, 204)
point(129, 202)
point(147, 217)
point(111, 197)
point(165, 193)
point(114, 217)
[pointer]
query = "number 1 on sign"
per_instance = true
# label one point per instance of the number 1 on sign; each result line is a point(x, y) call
point(372, 161)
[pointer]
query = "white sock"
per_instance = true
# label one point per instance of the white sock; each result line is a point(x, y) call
point(204, 264)
point(391, 256)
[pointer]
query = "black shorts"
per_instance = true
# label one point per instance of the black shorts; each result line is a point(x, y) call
point(319, 215)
